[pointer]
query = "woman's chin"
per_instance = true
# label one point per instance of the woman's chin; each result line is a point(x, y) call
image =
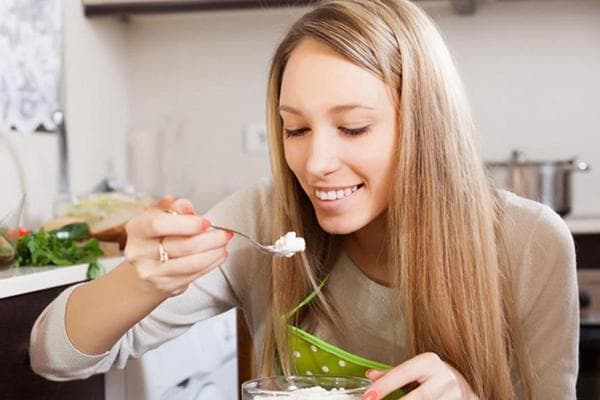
point(338, 226)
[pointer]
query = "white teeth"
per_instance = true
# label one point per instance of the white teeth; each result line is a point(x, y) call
point(335, 194)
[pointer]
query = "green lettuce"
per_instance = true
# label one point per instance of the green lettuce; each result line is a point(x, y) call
point(50, 248)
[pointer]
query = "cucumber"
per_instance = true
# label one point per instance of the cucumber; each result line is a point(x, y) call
point(75, 231)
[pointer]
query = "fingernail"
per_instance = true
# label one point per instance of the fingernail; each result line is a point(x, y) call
point(368, 372)
point(371, 395)
point(204, 224)
point(229, 235)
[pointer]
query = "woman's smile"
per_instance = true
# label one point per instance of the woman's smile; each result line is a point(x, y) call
point(338, 199)
point(332, 194)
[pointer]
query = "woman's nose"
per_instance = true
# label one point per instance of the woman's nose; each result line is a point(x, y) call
point(322, 158)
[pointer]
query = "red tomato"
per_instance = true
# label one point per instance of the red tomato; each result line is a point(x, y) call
point(22, 232)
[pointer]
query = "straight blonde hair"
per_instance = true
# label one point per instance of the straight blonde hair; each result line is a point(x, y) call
point(445, 241)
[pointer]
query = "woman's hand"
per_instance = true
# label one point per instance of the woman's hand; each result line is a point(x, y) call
point(436, 379)
point(137, 286)
point(191, 249)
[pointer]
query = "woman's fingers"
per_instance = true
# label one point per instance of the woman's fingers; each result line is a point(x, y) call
point(170, 250)
point(418, 369)
point(156, 224)
point(183, 206)
point(374, 374)
point(441, 388)
point(194, 264)
point(178, 246)
point(174, 276)
point(187, 280)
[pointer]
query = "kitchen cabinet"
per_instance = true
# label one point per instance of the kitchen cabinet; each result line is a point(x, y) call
point(587, 245)
point(17, 380)
point(116, 7)
point(112, 7)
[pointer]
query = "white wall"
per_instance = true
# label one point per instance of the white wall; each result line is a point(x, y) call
point(195, 81)
point(530, 68)
point(95, 100)
point(96, 96)
point(36, 165)
point(532, 72)
point(166, 97)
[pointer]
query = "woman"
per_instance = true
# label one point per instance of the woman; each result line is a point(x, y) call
point(416, 264)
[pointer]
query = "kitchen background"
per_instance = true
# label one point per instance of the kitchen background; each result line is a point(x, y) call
point(167, 99)
point(174, 103)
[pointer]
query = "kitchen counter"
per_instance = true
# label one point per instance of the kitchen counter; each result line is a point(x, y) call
point(583, 224)
point(16, 281)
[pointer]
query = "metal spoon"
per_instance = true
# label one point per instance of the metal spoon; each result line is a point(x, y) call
point(268, 249)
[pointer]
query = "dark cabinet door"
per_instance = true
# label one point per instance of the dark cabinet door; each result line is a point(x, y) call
point(17, 380)
point(112, 7)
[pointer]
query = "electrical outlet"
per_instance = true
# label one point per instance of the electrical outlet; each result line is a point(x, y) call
point(255, 138)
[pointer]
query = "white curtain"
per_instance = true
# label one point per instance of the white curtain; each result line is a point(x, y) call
point(30, 63)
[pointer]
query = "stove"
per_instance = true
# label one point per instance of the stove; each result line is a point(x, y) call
point(587, 247)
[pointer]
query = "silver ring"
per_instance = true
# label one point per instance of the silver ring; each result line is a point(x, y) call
point(173, 212)
point(162, 254)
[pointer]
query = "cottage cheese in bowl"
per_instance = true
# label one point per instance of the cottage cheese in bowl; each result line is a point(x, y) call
point(312, 393)
point(305, 388)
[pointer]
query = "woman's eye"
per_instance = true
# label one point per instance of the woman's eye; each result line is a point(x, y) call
point(294, 132)
point(355, 131)
point(347, 131)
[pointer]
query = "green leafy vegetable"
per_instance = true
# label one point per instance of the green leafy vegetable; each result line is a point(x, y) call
point(49, 248)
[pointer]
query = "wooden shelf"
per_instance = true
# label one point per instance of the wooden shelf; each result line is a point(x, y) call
point(116, 7)
point(120, 7)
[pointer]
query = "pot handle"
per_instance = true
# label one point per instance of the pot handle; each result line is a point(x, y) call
point(579, 165)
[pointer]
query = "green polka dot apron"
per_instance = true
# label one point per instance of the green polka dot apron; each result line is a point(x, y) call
point(313, 356)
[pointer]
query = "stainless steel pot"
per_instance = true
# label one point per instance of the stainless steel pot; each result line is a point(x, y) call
point(548, 182)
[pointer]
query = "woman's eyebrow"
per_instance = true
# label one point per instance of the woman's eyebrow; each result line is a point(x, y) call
point(333, 110)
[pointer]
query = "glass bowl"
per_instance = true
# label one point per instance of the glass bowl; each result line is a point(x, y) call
point(305, 388)
point(9, 235)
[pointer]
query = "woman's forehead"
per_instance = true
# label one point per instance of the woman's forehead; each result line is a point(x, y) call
point(317, 76)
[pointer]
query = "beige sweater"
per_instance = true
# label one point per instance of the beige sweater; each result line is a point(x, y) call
point(541, 251)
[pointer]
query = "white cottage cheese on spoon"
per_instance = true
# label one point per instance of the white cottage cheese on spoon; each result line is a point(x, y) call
point(289, 244)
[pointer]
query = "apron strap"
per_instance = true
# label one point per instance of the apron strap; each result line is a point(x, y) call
point(304, 302)
point(308, 298)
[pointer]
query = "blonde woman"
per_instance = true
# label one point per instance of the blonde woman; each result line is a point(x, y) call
point(414, 264)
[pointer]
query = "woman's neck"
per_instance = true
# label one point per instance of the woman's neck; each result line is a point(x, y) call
point(367, 249)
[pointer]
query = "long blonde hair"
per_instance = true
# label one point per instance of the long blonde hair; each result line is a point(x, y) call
point(449, 265)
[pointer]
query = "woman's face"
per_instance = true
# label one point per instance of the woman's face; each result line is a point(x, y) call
point(340, 136)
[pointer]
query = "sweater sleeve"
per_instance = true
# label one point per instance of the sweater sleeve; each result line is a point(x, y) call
point(548, 305)
point(54, 356)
